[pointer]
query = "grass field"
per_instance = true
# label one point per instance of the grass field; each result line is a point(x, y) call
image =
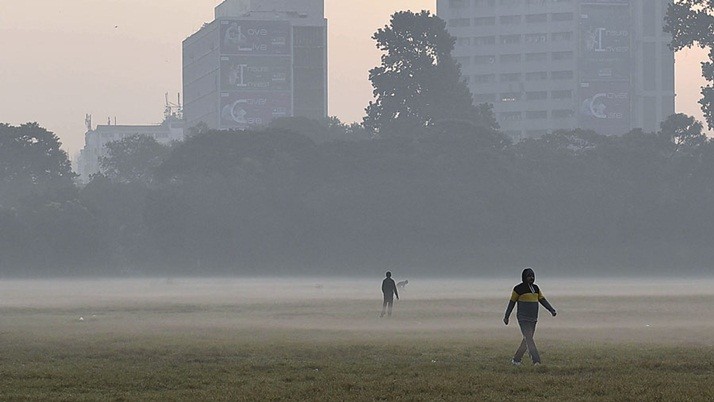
point(323, 340)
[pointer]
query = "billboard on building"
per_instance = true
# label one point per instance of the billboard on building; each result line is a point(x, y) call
point(605, 41)
point(605, 66)
point(605, 107)
point(256, 73)
point(253, 37)
point(246, 109)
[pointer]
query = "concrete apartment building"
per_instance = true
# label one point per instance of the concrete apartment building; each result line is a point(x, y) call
point(562, 64)
point(257, 61)
point(95, 139)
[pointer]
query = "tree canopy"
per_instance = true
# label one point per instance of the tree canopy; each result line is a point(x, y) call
point(691, 23)
point(31, 161)
point(132, 159)
point(418, 82)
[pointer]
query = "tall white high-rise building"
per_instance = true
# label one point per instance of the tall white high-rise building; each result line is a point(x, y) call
point(546, 65)
point(257, 61)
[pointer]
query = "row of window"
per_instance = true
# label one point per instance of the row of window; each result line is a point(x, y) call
point(519, 96)
point(515, 77)
point(536, 115)
point(511, 19)
point(541, 37)
point(518, 57)
point(504, 3)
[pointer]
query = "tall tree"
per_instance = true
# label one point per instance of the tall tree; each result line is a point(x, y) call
point(691, 22)
point(418, 82)
point(683, 131)
point(133, 159)
point(31, 161)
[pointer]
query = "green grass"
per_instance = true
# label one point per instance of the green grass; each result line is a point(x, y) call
point(250, 340)
point(185, 368)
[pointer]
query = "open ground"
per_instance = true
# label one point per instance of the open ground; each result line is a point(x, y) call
point(319, 339)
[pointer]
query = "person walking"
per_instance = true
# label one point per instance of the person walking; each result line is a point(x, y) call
point(527, 295)
point(389, 289)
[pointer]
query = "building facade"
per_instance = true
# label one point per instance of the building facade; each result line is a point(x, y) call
point(546, 65)
point(257, 61)
point(95, 139)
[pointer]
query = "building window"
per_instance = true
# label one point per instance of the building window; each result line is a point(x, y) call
point(510, 58)
point(460, 22)
point(561, 75)
point(510, 77)
point(484, 40)
point(510, 97)
point(510, 39)
point(537, 114)
point(561, 36)
point(458, 3)
point(509, 19)
point(535, 38)
point(649, 18)
point(537, 76)
point(482, 78)
point(487, 59)
point(484, 21)
point(562, 94)
point(562, 113)
point(482, 98)
point(508, 3)
point(463, 41)
point(561, 17)
point(536, 95)
point(540, 56)
point(649, 66)
point(484, 3)
point(558, 56)
point(667, 69)
point(536, 18)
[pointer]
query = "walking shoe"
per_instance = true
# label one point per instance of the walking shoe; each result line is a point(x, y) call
point(536, 364)
point(515, 363)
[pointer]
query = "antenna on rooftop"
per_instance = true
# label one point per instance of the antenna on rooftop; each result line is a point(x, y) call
point(173, 109)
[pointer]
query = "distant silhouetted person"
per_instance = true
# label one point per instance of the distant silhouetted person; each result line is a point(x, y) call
point(402, 284)
point(389, 288)
point(527, 295)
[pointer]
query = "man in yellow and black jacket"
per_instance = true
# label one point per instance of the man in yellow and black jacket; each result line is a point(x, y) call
point(527, 295)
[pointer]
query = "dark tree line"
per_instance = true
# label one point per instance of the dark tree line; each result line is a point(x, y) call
point(426, 184)
point(453, 199)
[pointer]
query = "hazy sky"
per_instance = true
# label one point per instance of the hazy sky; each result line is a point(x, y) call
point(60, 59)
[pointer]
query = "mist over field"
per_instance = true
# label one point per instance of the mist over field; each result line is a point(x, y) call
point(652, 310)
point(322, 339)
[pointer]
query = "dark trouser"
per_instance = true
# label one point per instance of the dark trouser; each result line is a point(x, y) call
point(528, 330)
point(388, 302)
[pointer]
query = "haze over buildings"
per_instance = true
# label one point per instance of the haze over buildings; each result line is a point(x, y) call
point(563, 64)
point(118, 58)
point(258, 60)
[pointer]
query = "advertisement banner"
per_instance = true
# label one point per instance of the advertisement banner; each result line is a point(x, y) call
point(243, 110)
point(255, 73)
point(605, 107)
point(252, 37)
point(605, 41)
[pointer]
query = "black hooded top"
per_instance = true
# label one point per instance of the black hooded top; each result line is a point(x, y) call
point(527, 296)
